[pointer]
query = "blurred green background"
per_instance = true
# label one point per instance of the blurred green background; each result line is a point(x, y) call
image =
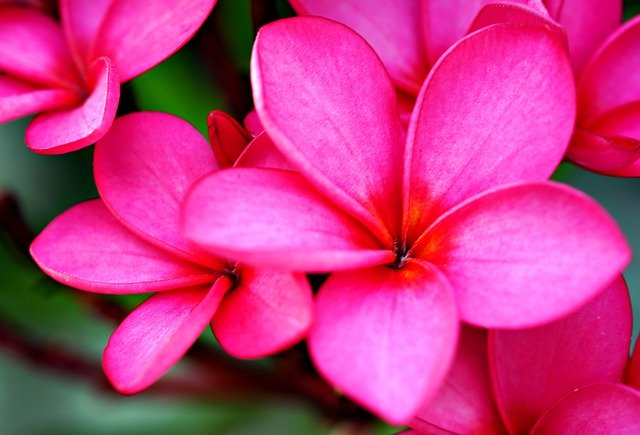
point(38, 401)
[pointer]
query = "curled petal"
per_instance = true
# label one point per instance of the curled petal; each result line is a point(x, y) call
point(87, 248)
point(157, 333)
point(385, 337)
point(139, 35)
point(601, 153)
point(509, 251)
point(273, 218)
point(458, 148)
point(81, 22)
point(531, 13)
point(228, 138)
point(143, 167)
point(597, 409)
point(335, 110)
point(268, 312)
point(533, 369)
point(262, 153)
point(69, 130)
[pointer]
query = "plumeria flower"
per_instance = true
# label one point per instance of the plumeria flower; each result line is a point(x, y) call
point(452, 221)
point(128, 242)
point(562, 377)
point(71, 71)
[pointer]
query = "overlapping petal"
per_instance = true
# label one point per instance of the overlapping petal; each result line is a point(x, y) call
point(87, 248)
point(33, 48)
point(157, 333)
point(144, 167)
point(611, 78)
point(81, 22)
point(262, 153)
point(597, 409)
point(271, 217)
point(598, 152)
point(138, 35)
point(498, 108)
point(524, 254)
point(335, 110)
point(385, 337)
point(267, 312)
point(465, 403)
point(392, 28)
point(69, 130)
point(19, 98)
point(228, 138)
point(533, 369)
point(632, 375)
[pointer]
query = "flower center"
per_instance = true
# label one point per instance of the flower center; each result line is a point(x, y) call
point(233, 273)
point(401, 253)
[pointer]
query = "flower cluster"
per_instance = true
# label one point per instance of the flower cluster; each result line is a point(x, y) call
point(404, 149)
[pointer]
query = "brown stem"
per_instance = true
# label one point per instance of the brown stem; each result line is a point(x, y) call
point(12, 222)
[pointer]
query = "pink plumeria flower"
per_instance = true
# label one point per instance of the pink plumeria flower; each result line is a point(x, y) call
point(562, 377)
point(71, 72)
point(129, 243)
point(452, 221)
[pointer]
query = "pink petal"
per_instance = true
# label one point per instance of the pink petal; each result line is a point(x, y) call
point(228, 138)
point(253, 124)
point(525, 254)
point(32, 48)
point(72, 129)
point(87, 248)
point(611, 78)
point(510, 11)
point(272, 218)
point(601, 153)
point(385, 337)
point(597, 409)
point(393, 29)
point(458, 148)
point(533, 369)
point(446, 21)
point(587, 23)
point(262, 153)
point(316, 106)
point(268, 312)
point(19, 98)
point(143, 167)
point(632, 375)
point(157, 333)
point(465, 402)
point(139, 35)
point(81, 20)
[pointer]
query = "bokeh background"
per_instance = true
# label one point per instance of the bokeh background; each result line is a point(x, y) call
point(54, 321)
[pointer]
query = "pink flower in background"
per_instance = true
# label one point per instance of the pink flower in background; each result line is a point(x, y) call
point(562, 377)
point(71, 72)
point(452, 221)
point(129, 243)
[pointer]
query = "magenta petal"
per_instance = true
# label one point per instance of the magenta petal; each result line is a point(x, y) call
point(392, 28)
point(157, 333)
point(267, 312)
point(587, 23)
point(533, 369)
point(143, 167)
point(525, 254)
point(87, 248)
point(510, 11)
point(228, 138)
point(601, 153)
point(138, 35)
point(33, 48)
point(385, 337)
point(465, 402)
point(262, 153)
point(253, 124)
point(611, 78)
point(446, 21)
point(273, 218)
point(458, 148)
point(81, 20)
point(597, 409)
point(632, 375)
point(19, 98)
point(69, 130)
point(316, 106)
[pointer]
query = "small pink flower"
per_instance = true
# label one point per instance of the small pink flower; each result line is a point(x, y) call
point(452, 221)
point(129, 243)
point(71, 72)
point(555, 378)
